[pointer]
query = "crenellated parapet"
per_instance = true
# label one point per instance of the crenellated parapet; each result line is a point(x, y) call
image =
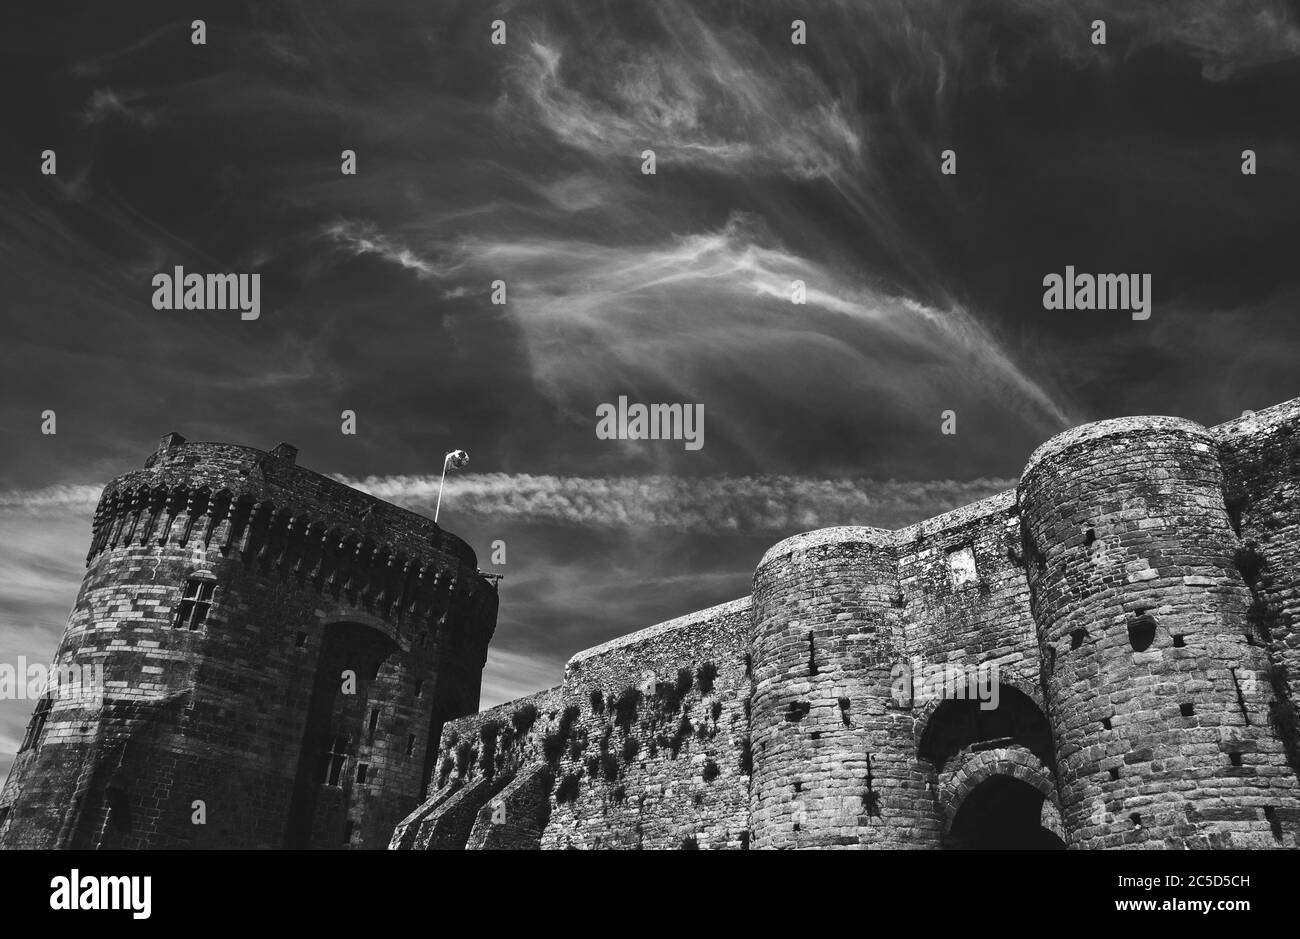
point(273, 516)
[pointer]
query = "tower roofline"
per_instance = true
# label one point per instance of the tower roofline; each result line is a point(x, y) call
point(275, 476)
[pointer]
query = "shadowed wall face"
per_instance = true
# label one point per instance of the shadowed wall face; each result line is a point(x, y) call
point(1261, 463)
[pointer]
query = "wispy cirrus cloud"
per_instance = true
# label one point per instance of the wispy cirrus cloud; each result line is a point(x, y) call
point(106, 104)
point(708, 505)
point(704, 96)
point(600, 316)
point(50, 498)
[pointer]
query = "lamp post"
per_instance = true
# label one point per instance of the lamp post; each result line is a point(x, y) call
point(456, 459)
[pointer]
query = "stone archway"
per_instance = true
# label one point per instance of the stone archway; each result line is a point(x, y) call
point(334, 732)
point(1000, 799)
point(947, 727)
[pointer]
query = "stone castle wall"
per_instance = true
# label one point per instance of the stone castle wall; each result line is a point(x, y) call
point(1107, 656)
point(1135, 597)
point(645, 744)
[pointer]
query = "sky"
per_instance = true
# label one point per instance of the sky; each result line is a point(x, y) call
point(522, 162)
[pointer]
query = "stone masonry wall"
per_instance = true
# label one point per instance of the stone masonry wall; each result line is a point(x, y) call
point(962, 627)
point(1156, 697)
point(488, 750)
point(657, 756)
point(833, 747)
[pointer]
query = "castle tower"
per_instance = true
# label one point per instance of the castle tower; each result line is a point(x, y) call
point(278, 651)
point(1156, 693)
point(831, 747)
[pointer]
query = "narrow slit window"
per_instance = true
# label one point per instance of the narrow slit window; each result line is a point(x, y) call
point(374, 722)
point(195, 604)
point(410, 744)
point(1270, 813)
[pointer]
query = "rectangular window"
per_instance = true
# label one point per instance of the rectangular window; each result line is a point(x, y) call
point(334, 759)
point(37, 724)
point(961, 566)
point(410, 744)
point(362, 769)
point(195, 604)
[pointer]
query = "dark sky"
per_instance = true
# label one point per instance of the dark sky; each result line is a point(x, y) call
point(522, 163)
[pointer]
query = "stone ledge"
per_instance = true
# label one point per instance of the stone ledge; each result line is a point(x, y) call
point(847, 534)
point(660, 629)
point(1099, 430)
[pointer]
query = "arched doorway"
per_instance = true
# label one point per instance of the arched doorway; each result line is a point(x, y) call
point(955, 725)
point(1002, 813)
point(999, 799)
point(335, 732)
point(994, 772)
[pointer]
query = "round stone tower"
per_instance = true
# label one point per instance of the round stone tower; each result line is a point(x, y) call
point(272, 657)
point(831, 745)
point(1156, 691)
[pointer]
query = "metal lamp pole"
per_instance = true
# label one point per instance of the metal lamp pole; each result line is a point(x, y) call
point(455, 459)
